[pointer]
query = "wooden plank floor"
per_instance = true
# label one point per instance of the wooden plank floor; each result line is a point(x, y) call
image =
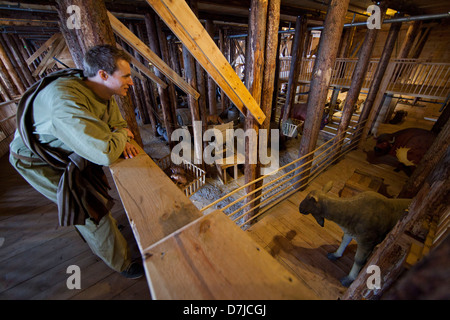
point(35, 252)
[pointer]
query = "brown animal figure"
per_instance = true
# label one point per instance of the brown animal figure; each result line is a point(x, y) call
point(179, 179)
point(366, 217)
point(407, 145)
point(177, 170)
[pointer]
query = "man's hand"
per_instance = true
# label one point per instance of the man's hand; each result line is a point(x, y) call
point(129, 133)
point(130, 151)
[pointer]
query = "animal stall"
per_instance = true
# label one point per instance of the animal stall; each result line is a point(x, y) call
point(186, 175)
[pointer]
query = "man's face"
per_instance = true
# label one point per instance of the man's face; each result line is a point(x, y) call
point(120, 80)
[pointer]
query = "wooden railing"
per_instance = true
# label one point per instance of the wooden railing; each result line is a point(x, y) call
point(420, 79)
point(410, 77)
point(189, 255)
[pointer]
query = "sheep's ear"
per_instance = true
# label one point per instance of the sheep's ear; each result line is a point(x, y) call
point(315, 197)
point(327, 187)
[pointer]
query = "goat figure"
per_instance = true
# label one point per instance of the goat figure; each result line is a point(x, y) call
point(366, 217)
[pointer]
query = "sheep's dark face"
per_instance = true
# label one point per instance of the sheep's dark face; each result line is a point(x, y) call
point(312, 205)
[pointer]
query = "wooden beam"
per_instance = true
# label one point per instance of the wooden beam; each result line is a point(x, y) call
point(48, 59)
point(155, 206)
point(144, 69)
point(379, 83)
point(254, 73)
point(320, 82)
point(189, 255)
point(169, 118)
point(185, 25)
point(358, 77)
point(51, 41)
point(11, 70)
point(212, 258)
point(129, 37)
point(212, 99)
point(294, 72)
point(26, 23)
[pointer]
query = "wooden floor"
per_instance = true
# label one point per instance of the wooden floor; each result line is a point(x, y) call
point(35, 252)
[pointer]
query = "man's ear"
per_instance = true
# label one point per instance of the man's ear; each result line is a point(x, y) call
point(103, 74)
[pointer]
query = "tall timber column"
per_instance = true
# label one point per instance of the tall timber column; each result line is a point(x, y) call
point(92, 27)
point(294, 71)
point(254, 68)
point(212, 101)
point(376, 92)
point(152, 31)
point(358, 77)
point(320, 81)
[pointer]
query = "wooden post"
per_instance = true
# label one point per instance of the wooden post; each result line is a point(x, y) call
point(294, 72)
point(147, 87)
point(321, 76)
point(95, 30)
point(369, 111)
point(163, 93)
point(21, 66)
point(212, 101)
point(24, 55)
point(189, 71)
point(276, 79)
point(166, 58)
point(429, 161)
point(358, 77)
point(10, 89)
point(270, 61)
point(333, 102)
point(195, 75)
point(4, 41)
point(11, 70)
point(347, 42)
point(421, 43)
point(254, 67)
point(224, 45)
point(137, 87)
point(443, 118)
point(411, 35)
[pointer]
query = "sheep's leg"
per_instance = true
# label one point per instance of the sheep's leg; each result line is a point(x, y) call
point(362, 253)
point(340, 251)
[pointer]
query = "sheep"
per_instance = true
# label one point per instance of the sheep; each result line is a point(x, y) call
point(366, 217)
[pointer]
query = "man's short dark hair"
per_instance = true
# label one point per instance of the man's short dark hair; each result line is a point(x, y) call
point(102, 57)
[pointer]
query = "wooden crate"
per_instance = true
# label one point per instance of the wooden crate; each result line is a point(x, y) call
point(198, 174)
point(361, 181)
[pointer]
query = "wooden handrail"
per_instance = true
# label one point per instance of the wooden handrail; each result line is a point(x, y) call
point(188, 255)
